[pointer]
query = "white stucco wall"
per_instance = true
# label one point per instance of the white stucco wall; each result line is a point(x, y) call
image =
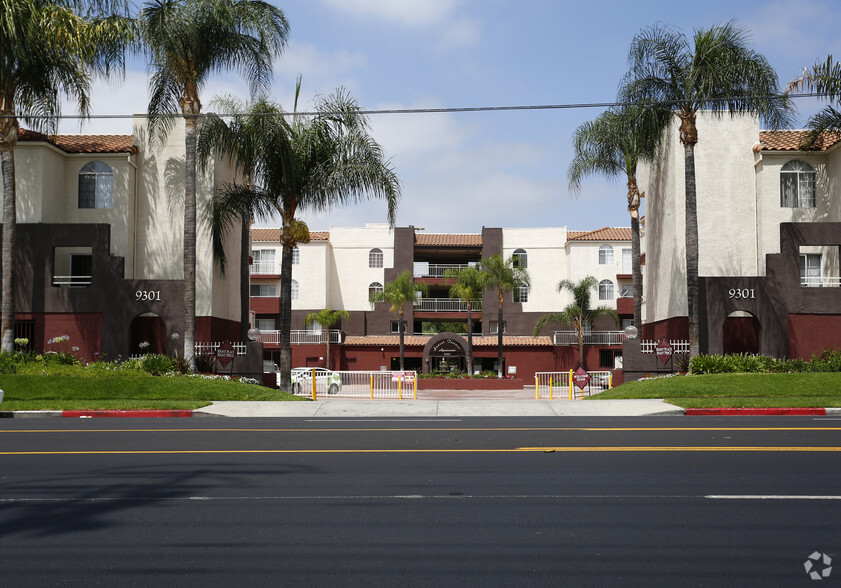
point(547, 263)
point(584, 261)
point(350, 248)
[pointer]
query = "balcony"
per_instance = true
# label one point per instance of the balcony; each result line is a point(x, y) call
point(592, 338)
point(73, 281)
point(445, 305)
point(264, 269)
point(302, 337)
point(820, 282)
point(435, 270)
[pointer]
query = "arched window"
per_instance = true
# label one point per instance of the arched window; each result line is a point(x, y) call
point(605, 255)
point(797, 185)
point(605, 290)
point(96, 186)
point(375, 258)
point(373, 289)
point(521, 258)
point(295, 290)
point(296, 256)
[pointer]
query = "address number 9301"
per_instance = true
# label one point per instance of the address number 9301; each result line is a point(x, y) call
point(742, 293)
point(151, 295)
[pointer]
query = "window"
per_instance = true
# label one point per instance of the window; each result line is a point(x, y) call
point(263, 261)
point(626, 261)
point(811, 273)
point(296, 256)
point(295, 290)
point(797, 185)
point(605, 290)
point(265, 324)
point(395, 326)
point(494, 327)
point(521, 258)
point(314, 327)
point(608, 357)
point(605, 255)
point(626, 291)
point(81, 268)
point(96, 186)
point(263, 291)
point(72, 266)
point(373, 289)
point(521, 294)
point(375, 258)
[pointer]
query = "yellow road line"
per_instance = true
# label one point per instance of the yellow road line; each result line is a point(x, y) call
point(392, 430)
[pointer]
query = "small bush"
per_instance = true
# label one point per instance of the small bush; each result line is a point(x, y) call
point(8, 363)
point(157, 365)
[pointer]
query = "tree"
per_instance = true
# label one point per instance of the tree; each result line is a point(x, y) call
point(825, 79)
point(403, 290)
point(187, 40)
point(50, 49)
point(328, 318)
point(502, 275)
point(313, 162)
point(612, 145)
point(721, 74)
point(468, 287)
point(578, 313)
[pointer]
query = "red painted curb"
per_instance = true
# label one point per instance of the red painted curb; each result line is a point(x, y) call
point(126, 413)
point(755, 411)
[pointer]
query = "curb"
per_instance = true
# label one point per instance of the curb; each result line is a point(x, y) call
point(81, 414)
point(755, 411)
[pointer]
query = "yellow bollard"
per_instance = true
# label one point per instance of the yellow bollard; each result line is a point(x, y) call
point(609, 381)
point(400, 387)
point(550, 388)
point(536, 388)
point(570, 385)
point(313, 385)
point(372, 386)
point(415, 386)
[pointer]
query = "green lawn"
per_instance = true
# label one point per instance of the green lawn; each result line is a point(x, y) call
point(124, 391)
point(805, 389)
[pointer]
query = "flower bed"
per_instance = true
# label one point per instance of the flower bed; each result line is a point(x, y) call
point(470, 384)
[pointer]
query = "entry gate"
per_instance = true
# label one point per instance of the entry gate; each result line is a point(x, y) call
point(371, 385)
point(560, 385)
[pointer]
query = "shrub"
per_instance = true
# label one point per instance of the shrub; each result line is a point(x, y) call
point(8, 363)
point(157, 365)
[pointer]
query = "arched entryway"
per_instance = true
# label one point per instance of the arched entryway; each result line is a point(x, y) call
point(147, 328)
point(445, 352)
point(741, 333)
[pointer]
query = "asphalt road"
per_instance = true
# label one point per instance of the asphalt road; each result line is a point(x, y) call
point(420, 502)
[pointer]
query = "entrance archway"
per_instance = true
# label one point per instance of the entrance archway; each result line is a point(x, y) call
point(149, 328)
point(444, 352)
point(740, 333)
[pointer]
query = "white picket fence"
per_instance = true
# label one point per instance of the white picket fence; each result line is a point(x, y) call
point(560, 385)
point(372, 385)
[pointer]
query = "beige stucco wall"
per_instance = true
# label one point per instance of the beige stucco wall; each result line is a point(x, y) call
point(584, 261)
point(547, 263)
point(350, 248)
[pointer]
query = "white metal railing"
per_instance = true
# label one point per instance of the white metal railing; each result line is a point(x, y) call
point(71, 280)
point(302, 337)
point(345, 384)
point(437, 270)
point(820, 281)
point(445, 305)
point(591, 338)
point(560, 385)
point(259, 268)
point(677, 346)
point(205, 348)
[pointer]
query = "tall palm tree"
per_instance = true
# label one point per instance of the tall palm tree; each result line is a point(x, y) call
point(720, 73)
point(400, 292)
point(49, 49)
point(327, 318)
point(579, 313)
point(468, 287)
point(313, 162)
point(824, 78)
point(502, 275)
point(187, 41)
point(612, 145)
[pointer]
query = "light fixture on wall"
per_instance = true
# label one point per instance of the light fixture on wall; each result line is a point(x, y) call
point(253, 334)
point(631, 332)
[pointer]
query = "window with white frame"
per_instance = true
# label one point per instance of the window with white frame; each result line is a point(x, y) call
point(626, 291)
point(521, 294)
point(263, 261)
point(605, 290)
point(375, 258)
point(314, 327)
point(626, 261)
point(295, 291)
point(494, 327)
point(296, 256)
point(96, 185)
point(521, 258)
point(811, 270)
point(265, 324)
point(797, 185)
point(263, 291)
point(605, 255)
point(373, 289)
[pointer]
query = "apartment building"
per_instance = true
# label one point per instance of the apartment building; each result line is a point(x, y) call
point(340, 268)
point(100, 245)
point(769, 228)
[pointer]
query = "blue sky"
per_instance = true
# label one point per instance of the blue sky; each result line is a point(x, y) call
point(463, 171)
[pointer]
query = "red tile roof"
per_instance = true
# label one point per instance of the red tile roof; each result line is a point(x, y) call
point(273, 235)
point(449, 239)
point(603, 234)
point(83, 143)
point(421, 340)
point(792, 141)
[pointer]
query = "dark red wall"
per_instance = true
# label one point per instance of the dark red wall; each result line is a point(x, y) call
point(812, 334)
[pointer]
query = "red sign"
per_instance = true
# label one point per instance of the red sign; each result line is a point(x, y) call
point(581, 378)
point(664, 350)
point(225, 354)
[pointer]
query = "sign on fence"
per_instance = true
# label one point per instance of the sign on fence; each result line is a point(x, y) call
point(581, 378)
point(225, 353)
point(664, 350)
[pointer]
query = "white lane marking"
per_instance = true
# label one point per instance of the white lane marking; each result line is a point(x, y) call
point(771, 497)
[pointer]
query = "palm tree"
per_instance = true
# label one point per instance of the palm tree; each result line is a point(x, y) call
point(721, 74)
point(612, 145)
point(578, 313)
point(188, 40)
point(824, 78)
point(403, 290)
point(468, 287)
point(312, 162)
point(502, 275)
point(327, 318)
point(50, 49)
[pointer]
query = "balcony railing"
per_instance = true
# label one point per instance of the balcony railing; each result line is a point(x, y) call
point(592, 338)
point(445, 305)
point(436, 270)
point(71, 280)
point(302, 337)
point(264, 268)
point(820, 282)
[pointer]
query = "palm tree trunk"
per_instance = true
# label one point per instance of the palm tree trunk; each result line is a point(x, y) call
point(7, 290)
point(244, 280)
point(190, 241)
point(285, 316)
point(469, 340)
point(636, 270)
point(581, 361)
point(328, 347)
point(692, 287)
point(499, 329)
